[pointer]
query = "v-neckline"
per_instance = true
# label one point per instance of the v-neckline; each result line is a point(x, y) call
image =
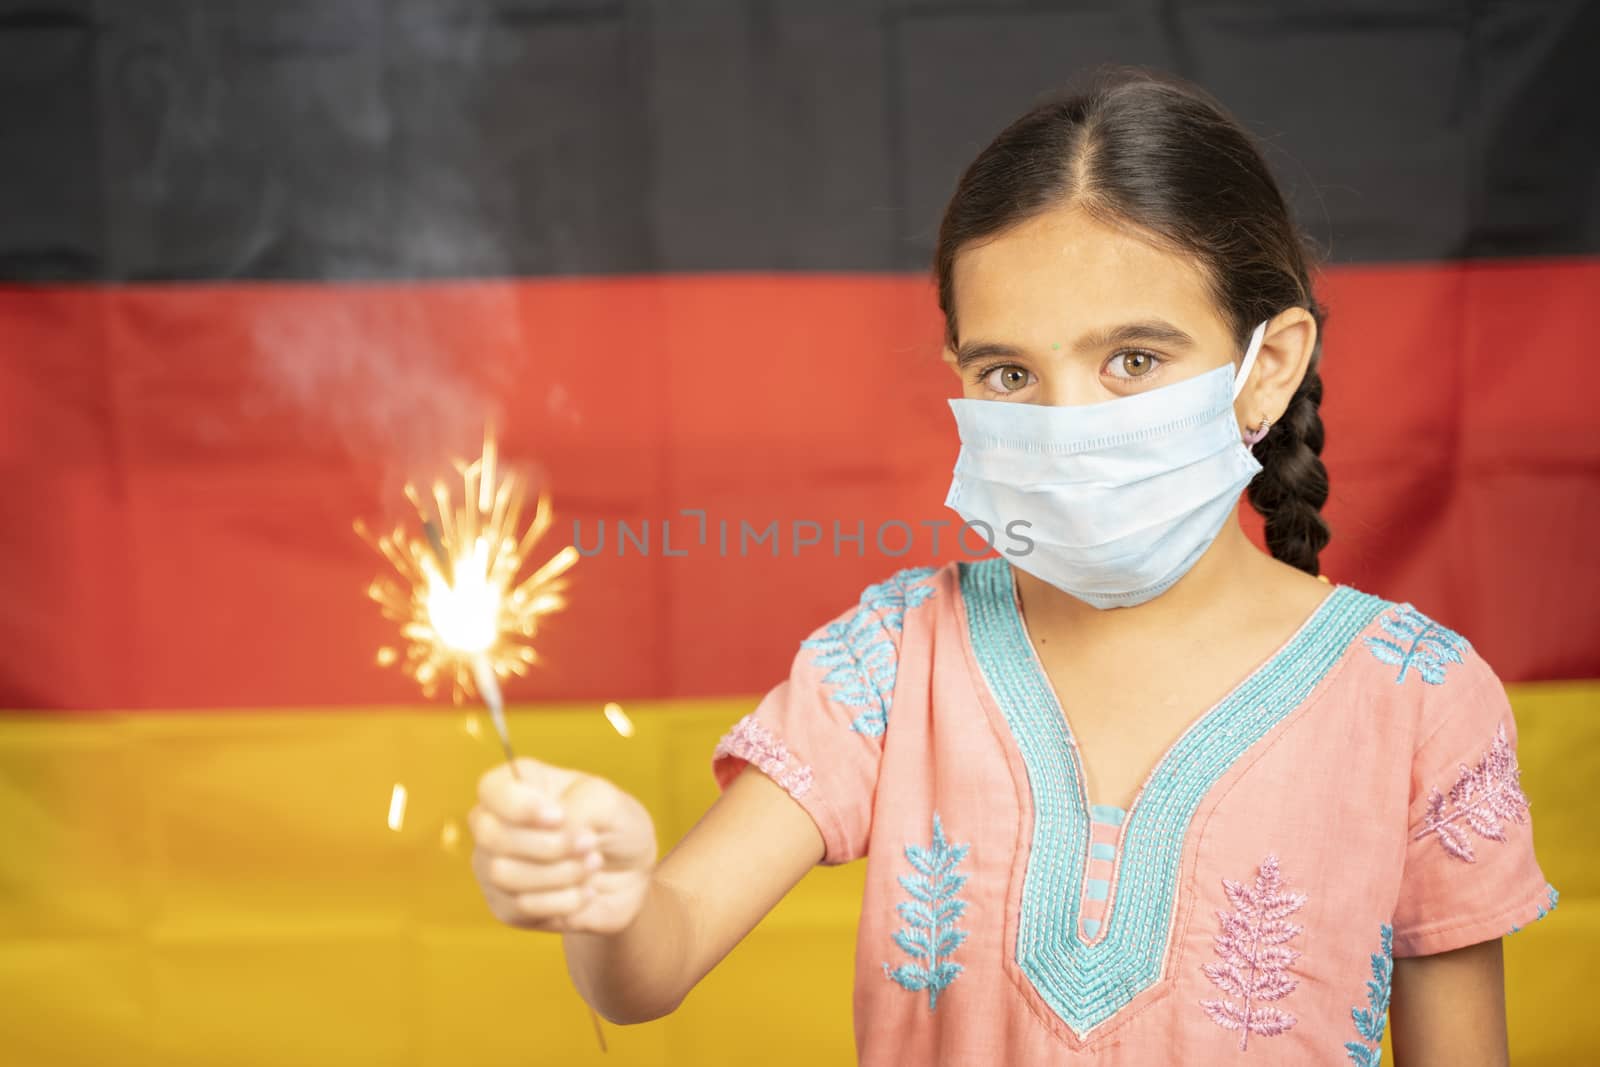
point(1075, 750)
point(1086, 979)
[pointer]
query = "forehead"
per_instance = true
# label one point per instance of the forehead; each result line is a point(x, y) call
point(1063, 272)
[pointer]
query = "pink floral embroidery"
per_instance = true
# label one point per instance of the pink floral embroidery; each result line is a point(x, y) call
point(755, 744)
point(1480, 799)
point(1253, 944)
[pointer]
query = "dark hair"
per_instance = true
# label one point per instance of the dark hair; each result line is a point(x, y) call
point(1141, 149)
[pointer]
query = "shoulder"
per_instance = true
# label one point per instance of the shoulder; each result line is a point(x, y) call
point(1405, 656)
point(885, 606)
point(907, 589)
point(855, 658)
point(1417, 649)
point(1408, 650)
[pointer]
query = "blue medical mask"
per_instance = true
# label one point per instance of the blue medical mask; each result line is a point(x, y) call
point(1121, 498)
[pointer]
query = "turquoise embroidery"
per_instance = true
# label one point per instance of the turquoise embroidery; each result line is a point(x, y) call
point(1370, 1020)
point(1111, 816)
point(1554, 898)
point(1086, 983)
point(859, 651)
point(931, 914)
point(1419, 643)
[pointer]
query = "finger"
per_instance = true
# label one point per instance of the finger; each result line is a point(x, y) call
point(503, 906)
point(530, 797)
point(592, 804)
point(555, 904)
point(515, 876)
point(521, 802)
point(606, 818)
point(539, 846)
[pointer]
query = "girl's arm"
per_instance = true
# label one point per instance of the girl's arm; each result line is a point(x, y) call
point(1449, 1010)
point(749, 849)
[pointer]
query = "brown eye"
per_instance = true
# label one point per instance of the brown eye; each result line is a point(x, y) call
point(1137, 364)
point(1127, 366)
point(1008, 379)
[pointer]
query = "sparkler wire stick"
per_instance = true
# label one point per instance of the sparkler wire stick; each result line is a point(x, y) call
point(489, 689)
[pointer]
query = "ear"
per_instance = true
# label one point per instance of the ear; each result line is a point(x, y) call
point(1286, 347)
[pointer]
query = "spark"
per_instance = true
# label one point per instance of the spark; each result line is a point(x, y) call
point(466, 620)
point(619, 719)
point(397, 807)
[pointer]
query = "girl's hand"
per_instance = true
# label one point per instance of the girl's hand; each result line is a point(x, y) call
point(559, 850)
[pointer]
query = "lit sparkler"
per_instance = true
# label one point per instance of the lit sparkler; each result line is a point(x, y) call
point(467, 621)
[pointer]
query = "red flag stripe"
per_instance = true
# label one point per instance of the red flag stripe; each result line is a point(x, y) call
point(182, 464)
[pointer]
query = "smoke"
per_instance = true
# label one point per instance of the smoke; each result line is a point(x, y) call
point(374, 373)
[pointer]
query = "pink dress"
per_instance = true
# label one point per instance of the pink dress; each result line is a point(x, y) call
point(1354, 799)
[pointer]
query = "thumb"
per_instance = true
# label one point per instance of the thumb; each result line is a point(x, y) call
point(620, 824)
point(591, 803)
point(528, 795)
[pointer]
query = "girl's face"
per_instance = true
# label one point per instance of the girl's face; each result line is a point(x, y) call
point(1067, 310)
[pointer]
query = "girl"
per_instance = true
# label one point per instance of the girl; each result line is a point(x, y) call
point(1132, 792)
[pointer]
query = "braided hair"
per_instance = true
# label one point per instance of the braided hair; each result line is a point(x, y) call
point(1165, 156)
point(1293, 484)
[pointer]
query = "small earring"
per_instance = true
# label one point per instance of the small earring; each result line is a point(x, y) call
point(1254, 436)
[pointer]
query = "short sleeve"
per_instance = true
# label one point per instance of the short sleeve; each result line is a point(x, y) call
point(1470, 872)
point(819, 733)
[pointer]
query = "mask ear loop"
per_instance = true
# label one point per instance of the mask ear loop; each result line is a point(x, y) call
point(1243, 373)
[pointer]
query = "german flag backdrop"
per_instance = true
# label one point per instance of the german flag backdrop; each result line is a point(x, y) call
point(265, 261)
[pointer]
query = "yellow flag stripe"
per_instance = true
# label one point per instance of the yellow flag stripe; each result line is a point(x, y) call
point(293, 887)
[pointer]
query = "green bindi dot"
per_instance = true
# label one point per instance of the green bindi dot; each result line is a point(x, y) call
point(1054, 347)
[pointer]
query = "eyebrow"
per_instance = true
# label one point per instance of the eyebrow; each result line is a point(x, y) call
point(1150, 331)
